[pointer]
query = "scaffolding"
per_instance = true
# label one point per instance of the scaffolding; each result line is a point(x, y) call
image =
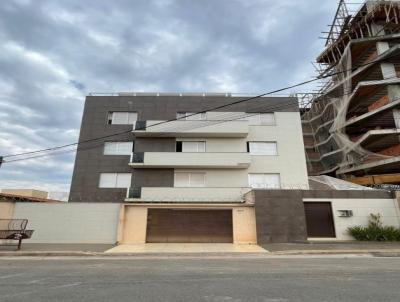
point(360, 98)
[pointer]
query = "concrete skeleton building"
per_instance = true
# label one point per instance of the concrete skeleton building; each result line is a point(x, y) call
point(352, 130)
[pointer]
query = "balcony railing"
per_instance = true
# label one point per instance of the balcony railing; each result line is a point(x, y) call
point(137, 157)
point(232, 160)
point(192, 128)
point(134, 192)
point(186, 195)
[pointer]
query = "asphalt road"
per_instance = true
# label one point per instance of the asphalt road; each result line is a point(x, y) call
point(232, 280)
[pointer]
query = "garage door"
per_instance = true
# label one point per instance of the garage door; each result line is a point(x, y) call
point(319, 219)
point(194, 226)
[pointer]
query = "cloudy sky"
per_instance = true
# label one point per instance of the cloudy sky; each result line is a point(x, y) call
point(53, 53)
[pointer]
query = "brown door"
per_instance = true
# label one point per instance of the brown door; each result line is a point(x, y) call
point(319, 219)
point(195, 226)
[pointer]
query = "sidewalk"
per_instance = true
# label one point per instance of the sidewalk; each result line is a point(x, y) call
point(186, 250)
point(47, 249)
point(332, 248)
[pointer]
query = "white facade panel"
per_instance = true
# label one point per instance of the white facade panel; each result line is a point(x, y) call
point(264, 181)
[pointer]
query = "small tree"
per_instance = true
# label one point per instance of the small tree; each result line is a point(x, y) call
point(375, 221)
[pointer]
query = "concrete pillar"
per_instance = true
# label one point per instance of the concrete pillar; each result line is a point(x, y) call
point(397, 206)
point(7, 210)
point(133, 225)
point(244, 225)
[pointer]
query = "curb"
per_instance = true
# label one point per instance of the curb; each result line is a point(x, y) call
point(138, 255)
point(374, 253)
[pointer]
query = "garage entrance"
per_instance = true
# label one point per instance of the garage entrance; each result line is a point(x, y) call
point(189, 226)
point(319, 220)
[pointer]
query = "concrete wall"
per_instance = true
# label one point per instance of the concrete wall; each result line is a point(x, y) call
point(291, 160)
point(244, 225)
point(70, 222)
point(280, 216)
point(6, 210)
point(26, 192)
point(133, 224)
point(362, 208)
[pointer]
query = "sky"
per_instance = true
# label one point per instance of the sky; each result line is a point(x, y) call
point(53, 53)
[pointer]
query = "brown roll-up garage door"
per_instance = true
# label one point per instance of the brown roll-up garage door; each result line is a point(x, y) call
point(194, 226)
point(319, 219)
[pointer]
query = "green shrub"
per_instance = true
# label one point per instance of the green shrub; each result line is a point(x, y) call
point(375, 231)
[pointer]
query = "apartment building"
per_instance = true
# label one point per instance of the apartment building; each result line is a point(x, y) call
point(352, 129)
point(181, 176)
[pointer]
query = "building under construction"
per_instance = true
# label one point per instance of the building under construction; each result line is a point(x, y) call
point(352, 127)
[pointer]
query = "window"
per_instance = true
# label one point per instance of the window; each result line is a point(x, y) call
point(189, 117)
point(118, 148)
point(115, 180)
point(190, 179)
point(262, 148)
point(266, 119)
point(188, 146)
point(265, 181)
point(122, 118)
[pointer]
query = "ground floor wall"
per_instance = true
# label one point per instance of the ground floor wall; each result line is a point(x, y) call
point(267, 216)
point(70, 222)
point(133, 223)
point(361, 210)
point(280, 214)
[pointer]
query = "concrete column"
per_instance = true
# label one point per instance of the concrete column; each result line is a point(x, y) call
point(396, 116)
point(397, 205)
point(244, 225)
point(134, 225)
point(7, 210)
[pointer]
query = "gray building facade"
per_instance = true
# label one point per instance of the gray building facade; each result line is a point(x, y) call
point(90, 160)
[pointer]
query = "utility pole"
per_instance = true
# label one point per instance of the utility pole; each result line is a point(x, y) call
point(1, 160)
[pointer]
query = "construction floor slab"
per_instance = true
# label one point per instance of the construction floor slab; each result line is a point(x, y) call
point(187, 248)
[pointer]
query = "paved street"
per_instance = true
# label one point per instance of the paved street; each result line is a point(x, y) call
point(237, 279)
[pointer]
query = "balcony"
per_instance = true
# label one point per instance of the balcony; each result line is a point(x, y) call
point(198, 128)
point(186, 195)
point(194, 160)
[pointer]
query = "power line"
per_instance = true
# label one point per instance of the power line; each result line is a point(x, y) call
point(199, 112)
point(102, 144)
point(270, 108)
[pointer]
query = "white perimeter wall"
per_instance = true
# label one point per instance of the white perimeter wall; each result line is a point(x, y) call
point(70, 222)
point(362, 208)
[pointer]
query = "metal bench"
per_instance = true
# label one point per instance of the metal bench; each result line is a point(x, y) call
point(14, 229)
